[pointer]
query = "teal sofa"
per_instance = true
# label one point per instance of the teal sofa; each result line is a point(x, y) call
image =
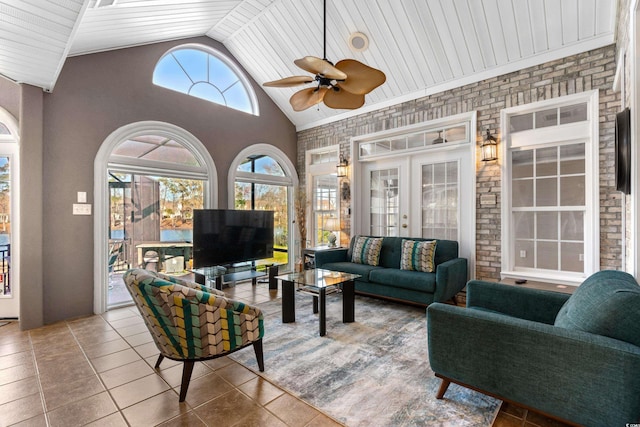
point(387, 280)
point(574, 358)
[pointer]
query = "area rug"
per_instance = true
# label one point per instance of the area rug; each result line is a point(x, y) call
point(373, 372)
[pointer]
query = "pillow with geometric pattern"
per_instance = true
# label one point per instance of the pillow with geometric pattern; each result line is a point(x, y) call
point(366, 250)
point(418, 255)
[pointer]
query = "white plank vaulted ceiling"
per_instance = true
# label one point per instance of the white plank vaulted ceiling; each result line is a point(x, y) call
point(423, 46)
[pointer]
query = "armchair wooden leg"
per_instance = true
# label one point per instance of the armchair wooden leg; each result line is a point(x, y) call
point(257, 347)
point(443, 388)
point(160, 358)
point(186, 378)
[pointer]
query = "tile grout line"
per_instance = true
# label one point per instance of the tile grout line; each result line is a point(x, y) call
point(40, 389)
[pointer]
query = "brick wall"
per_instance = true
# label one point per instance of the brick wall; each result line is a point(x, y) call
point(623, 44)
point(583, 72)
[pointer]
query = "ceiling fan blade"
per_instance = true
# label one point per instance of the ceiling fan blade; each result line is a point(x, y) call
point(320, 66)
point(306, 98)
point(342, 99)
point(361, 79)
point(289, 81)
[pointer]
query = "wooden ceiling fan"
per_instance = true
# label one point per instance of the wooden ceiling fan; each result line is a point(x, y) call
point(342, 86)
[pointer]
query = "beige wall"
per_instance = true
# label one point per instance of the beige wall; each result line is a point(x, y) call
point(95, 95)
point(579, 73)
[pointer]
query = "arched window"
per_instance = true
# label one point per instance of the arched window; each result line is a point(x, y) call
point(263, 178)
point(205, 73)
point(149, 178)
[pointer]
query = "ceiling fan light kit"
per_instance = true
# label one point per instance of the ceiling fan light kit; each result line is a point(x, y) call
point(342, 86)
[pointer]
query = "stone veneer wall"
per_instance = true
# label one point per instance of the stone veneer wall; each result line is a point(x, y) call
point(583, 72)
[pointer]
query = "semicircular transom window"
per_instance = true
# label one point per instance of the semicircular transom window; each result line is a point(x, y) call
point(156, 148)
point(205, 74)
point(261, 164)
point(4, 130)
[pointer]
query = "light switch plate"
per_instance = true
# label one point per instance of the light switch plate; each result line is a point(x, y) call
point(82, 197)
point(81, 209)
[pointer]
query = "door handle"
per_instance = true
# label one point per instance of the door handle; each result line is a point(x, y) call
point(404, 225)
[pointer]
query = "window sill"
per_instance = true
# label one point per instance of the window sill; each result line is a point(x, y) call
point(558, 279)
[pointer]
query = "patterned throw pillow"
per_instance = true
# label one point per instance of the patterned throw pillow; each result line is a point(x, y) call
point(418, 256)
point(366, 250)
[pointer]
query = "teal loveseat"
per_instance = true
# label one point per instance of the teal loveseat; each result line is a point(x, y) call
point(574, 358)
point(387, 280)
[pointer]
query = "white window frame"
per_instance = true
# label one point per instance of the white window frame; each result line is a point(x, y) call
point(587, 132)
point(290, 180)
point(314, 170)
point(253, 99)
point(104, 162)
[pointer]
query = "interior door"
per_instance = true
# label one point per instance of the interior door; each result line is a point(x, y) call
point(428, 195)
point(386, 198)
point(9, 301)
point(443, 203)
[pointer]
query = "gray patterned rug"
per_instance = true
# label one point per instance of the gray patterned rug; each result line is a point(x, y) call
point(374, 372)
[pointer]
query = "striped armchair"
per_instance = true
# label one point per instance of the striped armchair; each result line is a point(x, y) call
point(191, 323)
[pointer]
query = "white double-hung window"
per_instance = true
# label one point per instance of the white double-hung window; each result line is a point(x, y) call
point(550, 228)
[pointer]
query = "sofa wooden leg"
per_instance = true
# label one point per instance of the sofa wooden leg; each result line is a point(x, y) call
point(160, 358)
point(186, 378)
point(443, 388)
point(257, 347)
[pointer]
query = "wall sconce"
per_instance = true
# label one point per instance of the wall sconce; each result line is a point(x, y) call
point(342, 166)
point(489, 148)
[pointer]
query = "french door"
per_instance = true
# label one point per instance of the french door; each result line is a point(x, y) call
point(428, 195)
point(9, 301)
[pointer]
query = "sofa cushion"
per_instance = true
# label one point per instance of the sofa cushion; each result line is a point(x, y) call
point(366, 250)
point(351, 267)
point(418, 256)
point(414, 280)
point(607, 303)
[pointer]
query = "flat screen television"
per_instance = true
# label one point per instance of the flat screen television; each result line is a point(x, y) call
point(224, 236)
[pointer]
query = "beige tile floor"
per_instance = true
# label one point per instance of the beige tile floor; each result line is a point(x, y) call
point(98, 371)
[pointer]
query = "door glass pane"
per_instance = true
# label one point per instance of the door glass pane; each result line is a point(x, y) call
point(267, 197)
point(150, 226)
point(440, 200)
point(5, 225)
point(384, 202)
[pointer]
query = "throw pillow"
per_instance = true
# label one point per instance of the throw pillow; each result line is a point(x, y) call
point(418, 255)
point(366, 250)
point(608, 304)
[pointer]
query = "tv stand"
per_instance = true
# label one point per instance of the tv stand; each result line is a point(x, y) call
point(222, 275)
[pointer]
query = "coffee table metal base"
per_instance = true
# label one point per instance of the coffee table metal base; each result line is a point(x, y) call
point(319, 304)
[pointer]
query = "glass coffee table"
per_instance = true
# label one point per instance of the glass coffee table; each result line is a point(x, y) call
point(318, 283)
